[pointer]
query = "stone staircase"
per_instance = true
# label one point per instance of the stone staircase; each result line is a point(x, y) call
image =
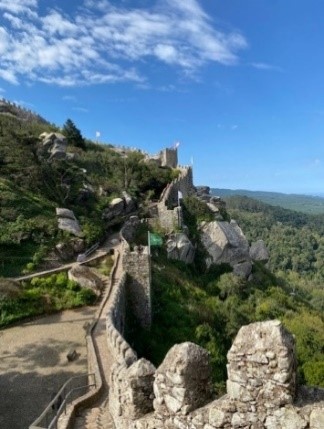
point(95, 418)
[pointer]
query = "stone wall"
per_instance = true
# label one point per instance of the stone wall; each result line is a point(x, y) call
point(261, 385)
point(131, 380)
point(169, 157)
point(137, 264)
point(169, 214)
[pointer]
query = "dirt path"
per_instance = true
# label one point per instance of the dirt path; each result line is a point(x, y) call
point(33, 363)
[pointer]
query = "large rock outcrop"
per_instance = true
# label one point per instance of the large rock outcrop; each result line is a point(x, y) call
point(180, 248)
point(68, 222)
point(259, 251)
point(68, 249)
point(119, 207)
point(53, 146)
point(86, 278)
point(225, 243)
point(130, 227)
point(214, 203)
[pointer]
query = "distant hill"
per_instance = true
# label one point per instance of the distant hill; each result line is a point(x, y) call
point(301, 203)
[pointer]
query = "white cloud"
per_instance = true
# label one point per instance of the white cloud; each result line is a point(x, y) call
point(3, 41)
point(18, 6)
point(101, 43)
point(81, 109)
point(166, 53)
point(265, 66)
point(69, 98)
point(9, 76)
point(57, 24)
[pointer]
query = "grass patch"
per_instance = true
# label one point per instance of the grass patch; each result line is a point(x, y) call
point(44, 295)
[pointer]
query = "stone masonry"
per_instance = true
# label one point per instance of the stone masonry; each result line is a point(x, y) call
point(137, 264)
point(169, 214)
point(261, 387)
point(183, 381)
point(169, 157)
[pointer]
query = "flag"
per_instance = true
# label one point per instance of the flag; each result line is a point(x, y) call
point(97, 134)
point(155, 239)
point(176, 145)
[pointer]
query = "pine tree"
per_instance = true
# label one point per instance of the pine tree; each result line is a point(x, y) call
point(73, 134)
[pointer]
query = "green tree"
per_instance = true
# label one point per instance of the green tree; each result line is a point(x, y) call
point(73, 134)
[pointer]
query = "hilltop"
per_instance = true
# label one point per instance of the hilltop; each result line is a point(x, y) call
point(38, 175)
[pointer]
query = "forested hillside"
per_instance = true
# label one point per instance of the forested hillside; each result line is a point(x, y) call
point(32, 186)
point(209, 306)
point(300, 203)
point(295, 240)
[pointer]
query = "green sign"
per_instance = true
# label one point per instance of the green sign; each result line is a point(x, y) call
point(155, 239)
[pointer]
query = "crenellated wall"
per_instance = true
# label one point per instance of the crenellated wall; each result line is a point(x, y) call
point(261, 388)
point(169, 157)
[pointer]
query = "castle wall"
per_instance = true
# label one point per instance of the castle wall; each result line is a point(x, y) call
point(261, 387)
point(137, 264)
point(169, 157)
point(131, 380)
point(169, 215)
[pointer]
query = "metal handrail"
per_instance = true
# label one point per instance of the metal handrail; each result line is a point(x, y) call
point(62, 395)
point(63, 405)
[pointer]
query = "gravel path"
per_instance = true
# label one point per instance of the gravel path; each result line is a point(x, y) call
point(33, 363)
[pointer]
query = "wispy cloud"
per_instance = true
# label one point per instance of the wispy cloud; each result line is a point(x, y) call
point(102, 43)
point(19, 6)
point(81, 109)
point(266, 66)
point(71, 98)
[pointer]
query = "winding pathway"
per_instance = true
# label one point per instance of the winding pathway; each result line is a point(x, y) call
point(99, 417)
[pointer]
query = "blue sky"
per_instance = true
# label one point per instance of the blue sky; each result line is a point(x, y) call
point(239, 83)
